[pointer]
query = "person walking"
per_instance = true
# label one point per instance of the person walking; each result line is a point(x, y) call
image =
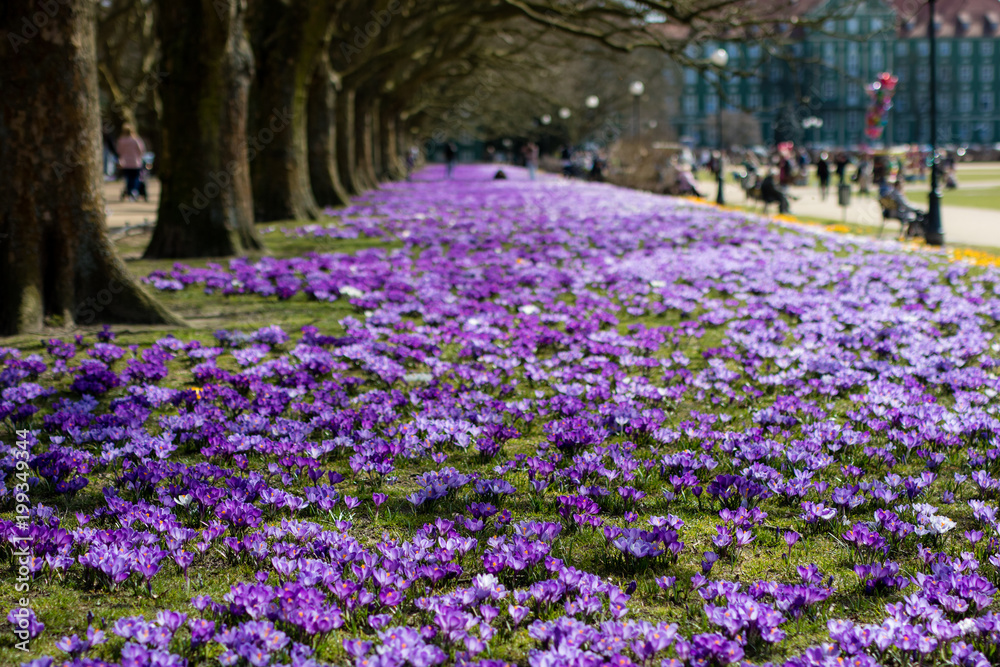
point(785, 172)
point(130, 159)
point(531, 158)
point(412, 156)
point(841, 168)
point(863, 176)
point(823, 175)
point(450, 155)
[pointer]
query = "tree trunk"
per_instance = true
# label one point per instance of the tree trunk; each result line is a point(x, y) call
point(404, 140)
point(375, 131)
point(392, 170)
point(364, 154)
point(56, 260)
point(346, 146)
point(288, 36)
point(322, 134)
point(206, 203)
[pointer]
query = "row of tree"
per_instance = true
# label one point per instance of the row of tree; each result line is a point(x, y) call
point(267, 110)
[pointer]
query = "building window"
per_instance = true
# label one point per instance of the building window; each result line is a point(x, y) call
point(903, 104)
point(944, 48)
point(943, 102)
point(986, 102)
point(878, 61)
point(753, 101)
point(986, 73)
point(775, 101)
point(853, 121)
point(986, 47)
point(876, 24)
point(829, 26)
point(774, 72)
point(852, 26)
point(902, 48)
point(965, 73)
point(923, 49)
point(852, 59)
point(690, 105)
point(965, 103)
point(753, 52)
point(853, 95)
point(944, 74)
point(711, 103)
point(829, 89)
point(690, 76)
point(965, 48)
point(923, 73)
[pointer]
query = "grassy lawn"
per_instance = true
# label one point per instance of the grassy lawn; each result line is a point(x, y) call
point(598, 341)
point(985, 198)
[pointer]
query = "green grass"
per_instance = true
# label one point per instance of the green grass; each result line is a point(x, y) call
point(984, 198)
point(64, 606)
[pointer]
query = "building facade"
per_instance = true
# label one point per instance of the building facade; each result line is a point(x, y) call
point(820, 73)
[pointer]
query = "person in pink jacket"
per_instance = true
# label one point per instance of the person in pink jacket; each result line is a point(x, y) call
point(130, 151)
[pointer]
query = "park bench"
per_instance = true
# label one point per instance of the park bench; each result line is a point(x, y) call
point(910, 226)
point(130, 229)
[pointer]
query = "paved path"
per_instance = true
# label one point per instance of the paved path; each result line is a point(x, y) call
point(962, 225)
point(122, 213)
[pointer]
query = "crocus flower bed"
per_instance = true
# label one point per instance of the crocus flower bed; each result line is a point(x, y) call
point(566, 425)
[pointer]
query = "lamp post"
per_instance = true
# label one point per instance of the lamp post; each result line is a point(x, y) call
point(545, 120)
point(812, 122)
point(636, 88)
point(592, 102)
point(933, 224)
point(720, 58)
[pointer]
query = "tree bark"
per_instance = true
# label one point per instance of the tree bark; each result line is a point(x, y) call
point(288, 36)
point(388, 134)
point(346, 145)
point(322, 135)
point(375, 131)
point(56, 260)
point(205, 205)
point(365, 151)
